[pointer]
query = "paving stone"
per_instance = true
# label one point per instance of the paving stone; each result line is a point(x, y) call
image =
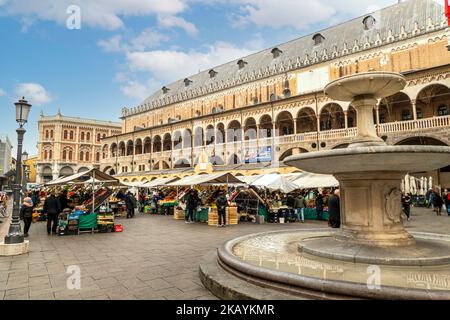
point(155, 258)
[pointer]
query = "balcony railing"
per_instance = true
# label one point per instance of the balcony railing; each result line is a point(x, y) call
point(392, 127)
point(415, 125)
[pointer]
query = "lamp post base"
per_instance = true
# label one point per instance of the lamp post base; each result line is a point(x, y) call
point(14, 249)
point(14, 239)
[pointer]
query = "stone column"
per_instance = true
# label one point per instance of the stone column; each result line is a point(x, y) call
point(295, 125)
point(366, 128)
point(414, 109)
point(346, 119)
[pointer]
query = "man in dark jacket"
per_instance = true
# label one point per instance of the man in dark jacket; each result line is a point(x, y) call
point(63, 201)
point(319, 205)
point(334, 210)
point(130, 203)
point(191, 205)
point(222, 204)
point(52, 208)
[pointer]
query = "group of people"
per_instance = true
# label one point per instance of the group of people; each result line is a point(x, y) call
point(436, 201)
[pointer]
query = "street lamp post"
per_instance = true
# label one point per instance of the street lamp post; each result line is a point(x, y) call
point(26, 171)
point(15, 234)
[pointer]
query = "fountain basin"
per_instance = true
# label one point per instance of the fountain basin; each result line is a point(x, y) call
point(271, 261)
point(377, 158)
point(371, 84)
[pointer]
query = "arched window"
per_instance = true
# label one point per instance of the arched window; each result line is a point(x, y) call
point(45, 155)
point(97, 157)
point(443, 110)
point(64, 155)
point(47, 134)
point(65, 134)
point(406, 115)
point(82, 136)
point(104, 136)
point(87, 156)
point(51, 134)
point(50, 155)
point(81, 155)
point(88, 136)
point(98, 137)
point(70, 155)
point(71, 135)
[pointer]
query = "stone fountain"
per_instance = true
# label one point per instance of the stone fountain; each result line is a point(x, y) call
point(372, 235)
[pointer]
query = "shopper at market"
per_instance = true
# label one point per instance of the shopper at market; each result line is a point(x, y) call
point(319, 204)
point(447, 200)
point(35, 198)
point(26, 214)
point(52, 208)
point(222, 204)
point(299, 206)
point(406, 204)
point(191, 205)
point(334, 210)
point(437, 202)
point(130, 203)
point(64, 202)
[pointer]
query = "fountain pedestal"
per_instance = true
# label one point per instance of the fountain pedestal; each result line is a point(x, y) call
point(371, 209)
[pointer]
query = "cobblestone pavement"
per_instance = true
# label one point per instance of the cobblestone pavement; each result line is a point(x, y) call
point(155, 257)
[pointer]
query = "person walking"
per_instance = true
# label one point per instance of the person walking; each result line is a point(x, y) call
point(437, 202)
point(52, 208)
point(26, 214)
point(334, 209)
point(406, 203)
point(319, 205)
point(130, 203)
point(299, 206)
point(447, 200)
point(222, 204)
point(191, 205)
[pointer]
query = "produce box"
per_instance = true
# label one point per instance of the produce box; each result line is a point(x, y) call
point(179, 214)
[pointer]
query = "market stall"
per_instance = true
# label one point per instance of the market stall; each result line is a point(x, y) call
point(89, 193)
point(208, 187)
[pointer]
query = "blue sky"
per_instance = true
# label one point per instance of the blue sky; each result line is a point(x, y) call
point(126, 49)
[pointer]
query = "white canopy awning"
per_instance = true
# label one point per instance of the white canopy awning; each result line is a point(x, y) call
point(135, 184)
point(80, 177)
point(312, 180)
point(159, 182)
point(249, 179)
point(275, 182)
point(207, 179)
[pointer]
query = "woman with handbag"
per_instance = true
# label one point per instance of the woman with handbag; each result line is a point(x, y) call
point(26, 214)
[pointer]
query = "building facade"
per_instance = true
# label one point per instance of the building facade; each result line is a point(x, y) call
point(6, 169)
point(252, 113)
point(68, 145)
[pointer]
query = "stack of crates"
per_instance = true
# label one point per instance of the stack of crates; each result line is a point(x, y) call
point(231, 216)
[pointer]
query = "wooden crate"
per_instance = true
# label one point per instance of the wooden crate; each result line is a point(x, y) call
point(231, 216)
point(179, 214)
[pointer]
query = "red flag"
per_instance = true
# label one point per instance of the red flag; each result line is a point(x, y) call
point(447, 11)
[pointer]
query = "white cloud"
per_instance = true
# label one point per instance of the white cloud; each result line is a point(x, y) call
point(35, 93)
point(113, 44)
point(172, 21)
point(171, 65)
point(298, 14)
point(104, 14)
point(147, 39)
point(137, 90)
point(2, 92)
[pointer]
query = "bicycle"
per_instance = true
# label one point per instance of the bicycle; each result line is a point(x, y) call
point(3, 211)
